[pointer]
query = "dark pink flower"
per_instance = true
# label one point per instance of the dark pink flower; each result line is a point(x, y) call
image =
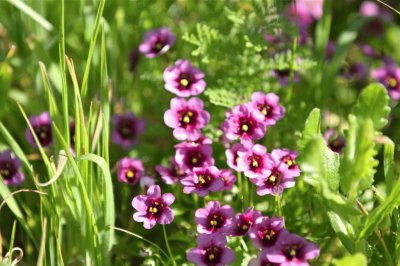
point(191, 154)
point(127, 128)
point(9, 169)
point(229, 179)
point(268, 105)
point(262, 260)
point(291, 250)
point(232, 155)
point(186, 118)
point(305, 11)
point(265, 231)
point(183, 79)
point(242, 222)
point(130, 170)
point(146, 182)
point(287, 157)
point(334, 141)
point(214, 218)
point(202, 181)
point(157, 42)
point(172, 174)
point(255, 162)
point(41, 125)
point(153, 208)
point(211, 250)
point(389, 76)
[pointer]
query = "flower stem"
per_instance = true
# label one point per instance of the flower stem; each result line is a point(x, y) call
point(168, 247)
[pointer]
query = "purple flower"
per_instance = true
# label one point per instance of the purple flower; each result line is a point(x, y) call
point(369, 9)
point(255, 162)
point(191, 154)
point(186, 118)
point(146, 182)
point(265, 231)
point(291, 250)
point(287, 157)
point(172, 174)
point(242, 222)
point(130, 170)
point(214, 218)
point(389, 76)
point(153, 208)
point(262, 259)
point(246, 123)
point(127, 128)
point(202, 181)
point(9, 169)
point(232, 155)
point(355, 72)
point(211, 250)
point(157, 42)
point(283, 76)
point(334, 141)
point(268, 105)
point(229, 179)
point(183, 79)
point(306, 11)
point(41, 125)
point(330, 49)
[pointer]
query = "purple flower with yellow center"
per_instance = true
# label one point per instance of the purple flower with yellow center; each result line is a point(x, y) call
point(265, 231)
point(153, 208)
point(172, 174)
point(186, 118)
point(41, 125)
point(127, 128)
point(389, 76)
point(229, 179)
point(9, 169)
point(292, 249)
point(334, 141)
point(157, 42)
point(287, 157)
point(130, 170)
point(262, 259)
point(211, 250)
point(268, 105)
point(202, 181)
point(214, 218)
point(184, 79)
point(242, 222)
point(255, 162)
point(246, 123)
point(232, 155)
point(189, 155)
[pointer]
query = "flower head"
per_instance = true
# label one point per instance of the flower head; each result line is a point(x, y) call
point(186, 118)
point(255, 162)
point(214, 218)
point(211, 250)
point(283, 76)
point(157, 42)
point(202, 181)
point(191, 154)
point(153, 208)
point(268, 105)
point(287, 157)
point(389, 76)
point(127, 128)
point(334, 141)
point(306, 11)
point(228, 178)
point(9, 169)
point(146, 182)
point(242, 222)
point(265, 231)
point(232, 155)
point(355, 72)
point(262, 259)
point(172, 174)
point(130, 170)
point(41, 125)
point(184, 79)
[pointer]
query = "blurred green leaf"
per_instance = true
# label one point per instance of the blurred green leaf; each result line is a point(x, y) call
point(312, 128)
point(357, 259)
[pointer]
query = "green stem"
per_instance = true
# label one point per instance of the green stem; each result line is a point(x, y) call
point(167, 244)
point(240, 185)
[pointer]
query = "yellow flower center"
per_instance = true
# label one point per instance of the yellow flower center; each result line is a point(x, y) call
point(130, 174)
point(392, 82)
point(184, 82)
point(245, 128)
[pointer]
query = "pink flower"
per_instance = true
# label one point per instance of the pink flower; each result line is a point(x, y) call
point(389, 76)
point(214, 218)
point(265, 232)
point(10, 169)
point(306, 11)
point(191, 154)
point(242, 222)
point(127, 128)
point(130, 170)
point(232, 155)
point(186, 118)
point(202, 181)
point(287, 157)
point(41, 125)
point(255, 162)
point(229, 179)
point(268, 105)
point(157, 42)
point(334, 141)
point(262, 259)
point(172, 174)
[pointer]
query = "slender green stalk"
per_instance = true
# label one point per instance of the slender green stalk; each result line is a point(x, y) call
point(167, 244)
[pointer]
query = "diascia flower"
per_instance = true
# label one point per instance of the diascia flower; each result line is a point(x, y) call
point(127, 128)
point(130, 170)
point(202, 181)
point(287, 157)
point(268, 105)
point(265, 232)
point(183, 79)
point(228, 178)
point(232, 155)
point(214, 218)
point(255, 162)
point(292, 249)
point(262, 259)
point(186, 118)
point(389, 76)
point(9, 169)
point(157, 42)
point(334, 141)
point(191, 154)
point(242, 222)
point(153, 208)
point(211, 250)
point(41, 125)
point(172, 174)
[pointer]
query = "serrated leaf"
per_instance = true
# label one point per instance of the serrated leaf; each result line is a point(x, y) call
point(343, 229)
point(312, 127)
point(357, 259)
point(222, 97)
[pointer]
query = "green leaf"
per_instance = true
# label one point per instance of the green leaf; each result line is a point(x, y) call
point(357, 259)
point(343, 229)
point(388, 164)
point(312, 128)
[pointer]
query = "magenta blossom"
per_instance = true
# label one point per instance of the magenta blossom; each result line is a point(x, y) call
point(202, 181)
point(191, 154)
point(287, 157)
point(356, 72)
point(242, 222)
point(9, 169)
point(186, 118)
point(291, 250)
point(153, 208)
point(232, 155)
point(183, 79)
point(127, 129)
point(211, 250)
point(244, 122)
point(389, 76)
point(157, 42)
point(268, 105)
point(265, 231)
point(229, 179)
point(202, 140)
point(334, 141)
point(214, 218)
point(262, 259)
point(305, 11)
point(130, 170)
point(172, 174)
point(41, 125)
point(255, 162)
point(146, 182)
